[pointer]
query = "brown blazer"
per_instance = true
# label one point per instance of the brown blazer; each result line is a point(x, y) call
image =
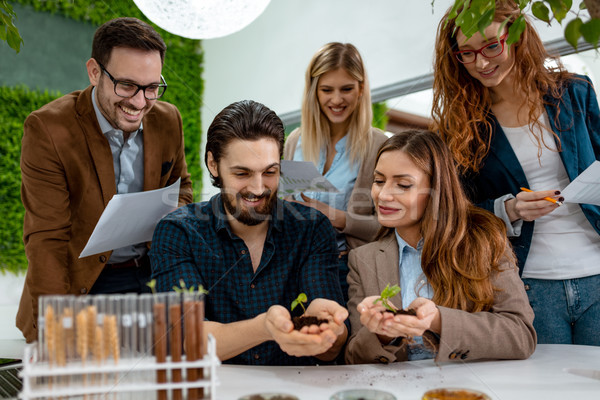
point(67, 180)
point(505, 332)
point(361, 220)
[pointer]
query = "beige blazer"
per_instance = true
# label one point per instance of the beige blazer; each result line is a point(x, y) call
point(505, 332)
point(67, 180)
point(361, 220)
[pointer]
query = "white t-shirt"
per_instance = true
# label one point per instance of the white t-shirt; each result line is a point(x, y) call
point(564, 243)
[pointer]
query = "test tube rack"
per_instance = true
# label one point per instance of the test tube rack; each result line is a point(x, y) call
point(132, 378)
point(145, 347)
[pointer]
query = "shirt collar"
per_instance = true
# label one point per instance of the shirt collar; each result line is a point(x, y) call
point(340, 146)
point(403, 245)
point(105, 126)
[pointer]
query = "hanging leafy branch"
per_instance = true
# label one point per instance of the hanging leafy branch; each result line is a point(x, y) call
point(473, 16)
point(8, 31)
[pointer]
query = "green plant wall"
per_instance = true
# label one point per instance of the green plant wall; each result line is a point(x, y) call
point(17, 103)
point(182, 71)
point(380, 119)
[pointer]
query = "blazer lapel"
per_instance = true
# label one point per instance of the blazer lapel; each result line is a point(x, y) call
point(97, 144)
point(386, 264)
point(152, 153)
point(562, 124)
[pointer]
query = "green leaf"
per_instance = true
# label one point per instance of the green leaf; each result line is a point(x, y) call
point(591, 31)
point(515, 30)
point(298, 302)
point(540, 11)
point(454, 11)
point(523, 4)
point(13, 39)
point(467, 22)
point(152, 285)
point(390, 291)
point(559, 8)
point(573, 32)
point(485, 20)
point(202, 290)
point(582, 6)
point(501, 28)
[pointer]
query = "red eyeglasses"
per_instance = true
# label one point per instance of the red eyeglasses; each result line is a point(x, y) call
point(488, 51)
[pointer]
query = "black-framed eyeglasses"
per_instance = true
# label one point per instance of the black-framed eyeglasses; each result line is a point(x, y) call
point(488, 51)
point(130, 89)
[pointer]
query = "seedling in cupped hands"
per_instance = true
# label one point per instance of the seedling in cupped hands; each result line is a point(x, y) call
point(386, 294)
point(299, 302)
point(303, 320)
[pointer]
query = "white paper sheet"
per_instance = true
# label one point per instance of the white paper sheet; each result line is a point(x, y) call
point(302, 176)
point(585, 189)
point(131, 218)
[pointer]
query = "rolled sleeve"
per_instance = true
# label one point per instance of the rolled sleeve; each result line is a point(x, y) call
point(513, 229)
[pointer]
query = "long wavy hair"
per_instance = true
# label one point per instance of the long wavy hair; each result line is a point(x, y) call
point(316, 133)
point(462, 244)
point(462, 105)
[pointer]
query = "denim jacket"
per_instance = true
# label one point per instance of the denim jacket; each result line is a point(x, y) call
point(575, 118)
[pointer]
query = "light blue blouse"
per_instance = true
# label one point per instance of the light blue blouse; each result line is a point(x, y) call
point(413, 284)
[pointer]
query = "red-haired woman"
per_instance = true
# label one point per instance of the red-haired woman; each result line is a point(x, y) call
point(512, 122)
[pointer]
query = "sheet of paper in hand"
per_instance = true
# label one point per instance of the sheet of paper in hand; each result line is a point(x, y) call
point(302, 176)
point(585, 189)
point(130, 218)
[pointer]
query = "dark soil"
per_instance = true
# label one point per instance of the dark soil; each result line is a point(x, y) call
point(410, 311)
point(299, 322)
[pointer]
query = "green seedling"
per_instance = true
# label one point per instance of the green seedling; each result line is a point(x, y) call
point(152, 286)
point(183, 289)
point(298, 301)
point(386, 294)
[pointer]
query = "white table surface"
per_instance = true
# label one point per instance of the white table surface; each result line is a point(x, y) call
point(542, 376)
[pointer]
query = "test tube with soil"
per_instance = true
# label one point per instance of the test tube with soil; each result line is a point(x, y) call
point(193, 310)
point(175, 339)
point(160, 338)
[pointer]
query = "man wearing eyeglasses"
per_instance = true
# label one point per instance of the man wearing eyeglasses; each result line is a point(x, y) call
point(80, 150)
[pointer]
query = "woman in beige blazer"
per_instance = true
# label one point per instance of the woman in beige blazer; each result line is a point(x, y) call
point(336, 135)
point(451, 259)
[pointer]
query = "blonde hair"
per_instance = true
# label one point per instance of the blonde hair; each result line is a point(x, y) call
point(315, 130)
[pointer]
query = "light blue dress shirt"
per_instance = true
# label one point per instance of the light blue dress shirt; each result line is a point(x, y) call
point(342, 174)
point(128, 163)
point(413, 284)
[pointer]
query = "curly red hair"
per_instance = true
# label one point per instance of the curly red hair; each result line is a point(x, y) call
point(462, 106)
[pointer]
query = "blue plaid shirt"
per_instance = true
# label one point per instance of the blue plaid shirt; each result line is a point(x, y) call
point(195, 243)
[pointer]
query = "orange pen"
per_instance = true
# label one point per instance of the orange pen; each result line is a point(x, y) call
point(550, 199)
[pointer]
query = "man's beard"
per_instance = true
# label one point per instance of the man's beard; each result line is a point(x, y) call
point(252, 215)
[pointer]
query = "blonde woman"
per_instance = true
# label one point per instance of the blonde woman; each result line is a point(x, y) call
point(337, 136)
